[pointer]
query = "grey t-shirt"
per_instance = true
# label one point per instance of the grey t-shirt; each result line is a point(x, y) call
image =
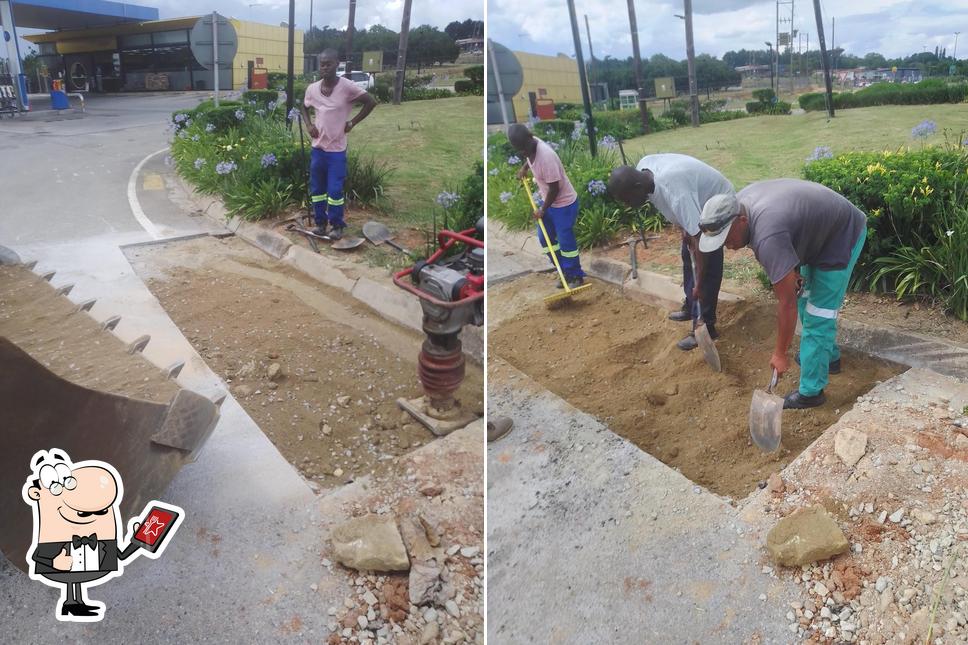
point(683, 185)
point(794, 222)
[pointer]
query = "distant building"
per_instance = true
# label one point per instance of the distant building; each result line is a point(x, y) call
point(547, 79)
point(470, 45)
point(155, 55)
point(863, 76)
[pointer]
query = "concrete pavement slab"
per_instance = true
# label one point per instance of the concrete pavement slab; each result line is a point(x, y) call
point(591, 540)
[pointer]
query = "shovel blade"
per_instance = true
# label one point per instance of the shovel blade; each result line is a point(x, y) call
point(766, 413)
point(376, 232)
point(708, 347)
point(348, 243)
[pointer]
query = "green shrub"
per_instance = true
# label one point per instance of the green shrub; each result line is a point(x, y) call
point(723, 115)
point(260, 98)
point(764, 95)
point(225, 117)
point(476, 74)
point(470, 207)
point(259, 199)
point(425, 93)
point(366, 178)
point(905, 194)
point(929, 91)
point(553, 129)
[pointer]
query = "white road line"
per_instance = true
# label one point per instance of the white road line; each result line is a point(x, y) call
point(133, 202)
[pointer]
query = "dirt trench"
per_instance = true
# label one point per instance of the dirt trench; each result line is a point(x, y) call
point(331, 407)
point(616, 359)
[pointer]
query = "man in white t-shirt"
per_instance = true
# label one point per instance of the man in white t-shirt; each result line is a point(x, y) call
point(679, 186)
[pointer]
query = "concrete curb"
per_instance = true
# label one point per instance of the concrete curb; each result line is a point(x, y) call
point(382, 297)
point(906, 348)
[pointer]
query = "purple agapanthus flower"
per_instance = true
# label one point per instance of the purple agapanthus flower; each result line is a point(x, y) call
point(225, 167)
point(447, 199)
point(293, 114)
point(268, 159)
point(240, 114)
point(210, 127)
point(608, 142)
point(271, 105)
point(199, 163)
point(506, 197)
point(820, 152)
point(514, 160)
point(538, 200)
point(596, 187)
point(195, 137)
point(494, 172)
point(181, 118)
point(924, 129)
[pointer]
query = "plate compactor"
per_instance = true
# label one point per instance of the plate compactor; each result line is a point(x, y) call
point(450, 286)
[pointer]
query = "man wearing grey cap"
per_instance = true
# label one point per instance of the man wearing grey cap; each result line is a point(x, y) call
point(678, 186)
point(791, 223)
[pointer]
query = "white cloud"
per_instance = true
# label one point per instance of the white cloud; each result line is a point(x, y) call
point(891, 27)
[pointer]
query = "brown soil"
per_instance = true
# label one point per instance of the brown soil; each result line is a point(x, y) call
point(741, 267)
point(70, 343)
point(333, 412)
point(628, 372)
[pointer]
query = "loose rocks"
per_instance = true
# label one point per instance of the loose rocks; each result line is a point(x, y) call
point(850, 445)
point(805, 536)
point(370, 543)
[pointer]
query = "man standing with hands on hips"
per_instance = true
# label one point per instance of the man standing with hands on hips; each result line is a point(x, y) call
point(332, 98)
point(791, 223)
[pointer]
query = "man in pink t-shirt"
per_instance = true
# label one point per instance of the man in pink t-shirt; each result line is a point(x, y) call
point(559, 201)
point(332, 98)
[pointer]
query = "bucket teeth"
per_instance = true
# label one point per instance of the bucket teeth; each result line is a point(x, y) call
point(220, 399)
point(30, 265)
point(86, 305)
point(48, 276)
point(139, 344)
point(66, 289)
point(174, 369)
point(111, 323)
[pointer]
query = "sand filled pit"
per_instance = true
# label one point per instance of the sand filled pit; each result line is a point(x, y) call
point(616, 359)
point(318, 371)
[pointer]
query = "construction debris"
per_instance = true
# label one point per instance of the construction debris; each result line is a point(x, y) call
point(806, 535)
point(370, 543)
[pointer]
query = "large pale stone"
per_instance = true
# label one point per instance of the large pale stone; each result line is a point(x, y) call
point(806, 535)
point(370, 543)
point(850, 445)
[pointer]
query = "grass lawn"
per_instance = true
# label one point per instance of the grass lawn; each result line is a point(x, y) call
point(747, 150)
point(431, 145)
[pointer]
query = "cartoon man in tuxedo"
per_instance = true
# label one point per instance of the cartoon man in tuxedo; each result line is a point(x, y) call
point(76, 520)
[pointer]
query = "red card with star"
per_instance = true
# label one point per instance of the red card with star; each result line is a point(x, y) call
point(155, 528)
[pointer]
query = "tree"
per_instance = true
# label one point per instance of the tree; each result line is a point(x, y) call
point(428, 45)
point(467, 29)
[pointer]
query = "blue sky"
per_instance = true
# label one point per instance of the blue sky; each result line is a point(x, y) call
point(891, 27)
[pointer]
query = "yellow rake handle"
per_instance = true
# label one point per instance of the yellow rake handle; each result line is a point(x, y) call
point(544, 231)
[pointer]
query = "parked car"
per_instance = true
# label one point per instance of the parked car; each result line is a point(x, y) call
point(363, 80)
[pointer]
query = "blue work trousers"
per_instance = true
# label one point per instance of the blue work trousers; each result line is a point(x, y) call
point(327, 173)
point(560, 223)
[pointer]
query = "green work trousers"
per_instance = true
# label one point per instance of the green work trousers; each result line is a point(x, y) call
point(819, 305)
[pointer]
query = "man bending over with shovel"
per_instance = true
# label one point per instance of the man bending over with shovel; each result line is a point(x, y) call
point(790, 223)
point(332, 98)
point(559, 201)
point(679, 186)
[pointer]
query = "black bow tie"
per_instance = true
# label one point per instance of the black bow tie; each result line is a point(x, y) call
point(90, 541)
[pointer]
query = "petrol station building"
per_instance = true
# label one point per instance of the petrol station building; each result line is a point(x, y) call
point(106, 46)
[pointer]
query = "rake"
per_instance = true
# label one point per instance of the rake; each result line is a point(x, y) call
point(568, 292)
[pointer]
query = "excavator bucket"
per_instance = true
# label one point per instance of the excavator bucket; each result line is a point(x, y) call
point(147, 442)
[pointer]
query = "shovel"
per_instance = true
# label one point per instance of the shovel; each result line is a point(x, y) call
point(378, 234)
point(766, 413)
point(706, 344)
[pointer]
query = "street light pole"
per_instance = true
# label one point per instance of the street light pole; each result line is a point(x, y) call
point(770, 45)
point(634, 29)
point(691, 64)
point(580, 59)
point(954, 55)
